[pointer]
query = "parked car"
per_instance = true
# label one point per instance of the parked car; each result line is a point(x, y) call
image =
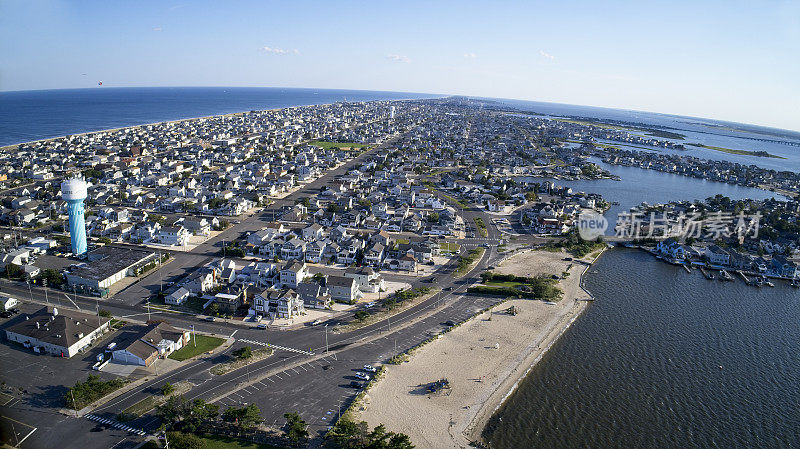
point(355, 384)
point(209, 318)
point(450, 323)
point(6, 314)
point(370, 368)
point(362, 376)
point(261, 326)
point(14, 310)
point(316, 322)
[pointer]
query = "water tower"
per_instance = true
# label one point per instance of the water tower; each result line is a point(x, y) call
point(73, 191)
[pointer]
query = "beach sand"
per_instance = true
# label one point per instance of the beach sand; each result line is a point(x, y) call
point(482, 359)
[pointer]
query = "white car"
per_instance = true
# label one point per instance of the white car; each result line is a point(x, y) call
point(370, 368)
point(362, 376)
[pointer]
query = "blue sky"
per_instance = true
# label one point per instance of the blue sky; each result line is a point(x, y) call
point(731, 60)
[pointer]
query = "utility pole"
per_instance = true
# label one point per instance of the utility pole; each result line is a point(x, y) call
point(29, 288)
point(44, 285)
point(160, 274)
point(194, 336)
point(326, 339)
point(148, 309)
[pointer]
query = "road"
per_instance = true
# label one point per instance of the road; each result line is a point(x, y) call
point(316, 386)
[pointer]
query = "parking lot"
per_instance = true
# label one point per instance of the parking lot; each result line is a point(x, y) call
point(33, 387)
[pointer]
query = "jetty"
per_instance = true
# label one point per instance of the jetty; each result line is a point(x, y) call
point(686, 267)
point(708, 275)
point(744, 278)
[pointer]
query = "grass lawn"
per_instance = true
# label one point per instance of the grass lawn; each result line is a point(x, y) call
point(451, 247)
point(481, 227)
point(204, 344)
point(503, 284)
point(220, 442)
point(329, 145)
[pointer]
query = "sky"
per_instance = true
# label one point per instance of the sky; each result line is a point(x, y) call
point(729, 60)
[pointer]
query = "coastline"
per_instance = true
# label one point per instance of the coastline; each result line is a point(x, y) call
point(478, 389)
point(187, 119)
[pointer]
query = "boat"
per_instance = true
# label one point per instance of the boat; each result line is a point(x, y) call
point(795, 283)
point(759, 281)
point(725, 276)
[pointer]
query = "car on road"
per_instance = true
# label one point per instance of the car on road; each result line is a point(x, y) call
point(316, 322)
point(355, 384)
point(369, 305)
point(432, 279)
point(448, 289)
point(450, 323)
point(209, 318)
point(261, 326)
point(362, 376)
point(370, 368)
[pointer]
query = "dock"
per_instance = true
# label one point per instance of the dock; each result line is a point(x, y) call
point(744, 278)
point(708, 275)
point(686, 267)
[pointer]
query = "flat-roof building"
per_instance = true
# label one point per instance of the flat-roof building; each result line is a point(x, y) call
point(57, 332)
point(106, 266)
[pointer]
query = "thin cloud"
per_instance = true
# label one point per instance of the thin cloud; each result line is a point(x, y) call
point(156, 28)
point(470, 55)
point(398, 58)
point(547, 55)
point(278, 51)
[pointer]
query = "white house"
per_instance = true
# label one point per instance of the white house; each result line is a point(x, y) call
point(293, 273)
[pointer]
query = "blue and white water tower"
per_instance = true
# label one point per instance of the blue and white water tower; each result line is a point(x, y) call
point(73, 191)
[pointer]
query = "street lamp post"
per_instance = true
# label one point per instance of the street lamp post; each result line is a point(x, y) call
point(326, 339)
point(44, 286)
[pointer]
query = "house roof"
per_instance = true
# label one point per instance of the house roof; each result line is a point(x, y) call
point(62, 329)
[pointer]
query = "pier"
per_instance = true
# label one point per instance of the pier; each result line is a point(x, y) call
point(708, 275)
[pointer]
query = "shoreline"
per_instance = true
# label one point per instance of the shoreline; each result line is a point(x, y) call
point(188, 119)
point(478, 390)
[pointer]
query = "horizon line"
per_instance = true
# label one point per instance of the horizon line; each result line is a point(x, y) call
point(440, 95)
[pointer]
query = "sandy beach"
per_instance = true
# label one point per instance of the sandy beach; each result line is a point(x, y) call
point(483, 360)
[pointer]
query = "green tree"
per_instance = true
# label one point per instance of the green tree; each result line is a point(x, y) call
point(361, 315)
point(167, 389)
point(180, 440)
point(245, 417)
point(245, 352)
point(104, 313)
point(296, 428)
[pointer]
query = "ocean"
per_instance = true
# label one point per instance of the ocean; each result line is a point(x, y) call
point(41, 114)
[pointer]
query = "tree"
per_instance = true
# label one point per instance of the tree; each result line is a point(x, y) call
point(180, 440)
point(245, 417)
point(167, 389)
point(104, 313)
point(174, 410)
point(245, 352)
point(13, 271)
point(296, 428)
point(361, 315)
point(347, 434)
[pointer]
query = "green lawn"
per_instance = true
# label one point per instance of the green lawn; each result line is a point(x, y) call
point(481, 227)
point(329, 145)
point(452, 247)
point(503, 284)
point(204, 344)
